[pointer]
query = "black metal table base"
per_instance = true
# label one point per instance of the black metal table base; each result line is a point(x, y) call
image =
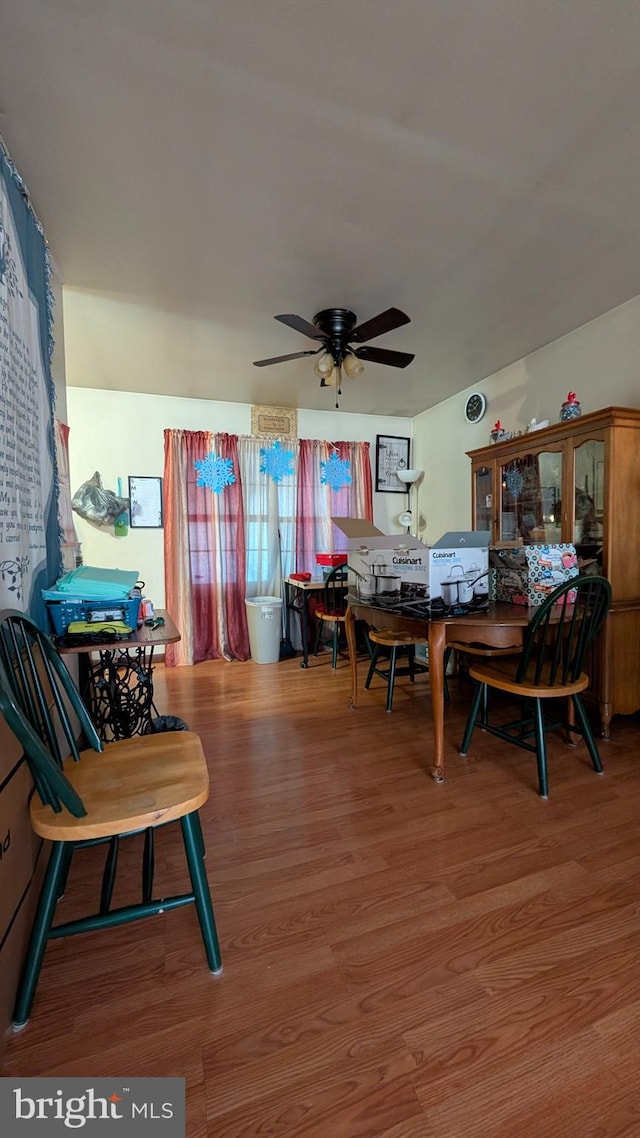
point(118, 690)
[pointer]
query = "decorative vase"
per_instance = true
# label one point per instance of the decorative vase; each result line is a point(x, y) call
point(498, 433)
point(571, 408)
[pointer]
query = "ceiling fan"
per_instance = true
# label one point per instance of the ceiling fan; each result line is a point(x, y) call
point(341, 342)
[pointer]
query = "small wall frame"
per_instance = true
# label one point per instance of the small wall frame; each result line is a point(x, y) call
point(392, 455)
point(274, 422)
point(145, 497)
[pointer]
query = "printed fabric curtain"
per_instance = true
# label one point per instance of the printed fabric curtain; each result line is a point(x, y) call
point(318, 503)
point(204, 551)
point(263, 511)
point(269, 517)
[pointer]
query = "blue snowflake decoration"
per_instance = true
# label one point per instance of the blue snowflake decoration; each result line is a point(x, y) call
point(276, 462)
point(514, 482)
point(214, 472)
point(335, 472)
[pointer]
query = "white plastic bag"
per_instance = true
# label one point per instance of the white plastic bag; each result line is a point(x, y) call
point(92, 502)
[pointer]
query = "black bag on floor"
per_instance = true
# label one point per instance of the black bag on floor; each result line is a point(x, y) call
point(165, 723)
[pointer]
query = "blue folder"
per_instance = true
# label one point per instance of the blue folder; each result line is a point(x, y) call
point(92, 583)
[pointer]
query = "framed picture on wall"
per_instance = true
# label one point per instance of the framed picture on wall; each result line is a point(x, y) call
point(145, 496)
point(392, 455)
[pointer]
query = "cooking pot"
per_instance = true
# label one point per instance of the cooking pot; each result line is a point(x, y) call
point(378, 585)
point(449, 591)
point(451, 584)
point(465, 590)
point(367, 586)
point(388, 585)
point(481, 587)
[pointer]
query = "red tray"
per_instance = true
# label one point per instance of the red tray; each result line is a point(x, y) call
point(331, 559)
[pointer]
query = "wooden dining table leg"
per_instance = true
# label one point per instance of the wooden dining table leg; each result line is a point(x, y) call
point(350, 632)
point(437, 646)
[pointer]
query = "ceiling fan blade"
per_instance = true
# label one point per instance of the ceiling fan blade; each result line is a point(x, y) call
point(281, 359)
point(384, 356)
point(378, 325)
point(299, 324)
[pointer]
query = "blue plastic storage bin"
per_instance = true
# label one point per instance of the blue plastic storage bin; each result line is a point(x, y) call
point(63, 610)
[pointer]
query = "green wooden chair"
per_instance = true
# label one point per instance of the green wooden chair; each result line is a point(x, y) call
point(95, 795)
point(550, 667)
point(394, 644)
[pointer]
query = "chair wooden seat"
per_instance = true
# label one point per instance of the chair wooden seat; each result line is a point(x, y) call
point(503, 677)
point(484, 650)
point(131, 785)
point(324, 615)
point(394, 642)
point(390, 639)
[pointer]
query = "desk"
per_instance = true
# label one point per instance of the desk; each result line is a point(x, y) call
point(118, 687)
point(502, 626)
point(301, 591)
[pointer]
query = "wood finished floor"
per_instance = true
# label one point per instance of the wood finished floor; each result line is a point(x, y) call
point(401, 960)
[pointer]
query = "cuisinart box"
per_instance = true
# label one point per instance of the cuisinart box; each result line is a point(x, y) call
point(459, 568)
point(389, 569)
point(384, 569)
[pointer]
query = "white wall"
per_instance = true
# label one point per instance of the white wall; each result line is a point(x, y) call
point(600, 362)
point(121, 434)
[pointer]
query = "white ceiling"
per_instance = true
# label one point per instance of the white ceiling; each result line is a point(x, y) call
point(473, 162)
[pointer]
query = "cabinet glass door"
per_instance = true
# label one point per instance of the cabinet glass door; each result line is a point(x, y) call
point(530, 504)
point(483, 498)
point(588, 512)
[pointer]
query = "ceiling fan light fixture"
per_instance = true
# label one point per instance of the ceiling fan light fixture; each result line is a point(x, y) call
point(324, 365)
point(352, 366)
point(333, 379)
point(336, 329)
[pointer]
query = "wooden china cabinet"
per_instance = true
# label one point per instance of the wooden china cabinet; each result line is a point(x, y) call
point(577, 481)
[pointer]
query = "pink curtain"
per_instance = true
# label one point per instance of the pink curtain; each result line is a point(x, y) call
point(317, 504)
point(356, 499)
point(231, 589)
point(313, 506)
point(204, 552)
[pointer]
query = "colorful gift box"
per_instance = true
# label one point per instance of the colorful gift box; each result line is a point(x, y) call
point(526, 576)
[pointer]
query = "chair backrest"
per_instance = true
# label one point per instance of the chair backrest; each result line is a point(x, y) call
point(335, 590)
point(561, 631)
point(43, 708)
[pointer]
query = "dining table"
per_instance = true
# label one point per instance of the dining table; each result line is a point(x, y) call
point(500, 625)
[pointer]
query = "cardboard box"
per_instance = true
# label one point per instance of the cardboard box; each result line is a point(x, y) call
point(399, 573)
point(459, 569)
point(526, 576)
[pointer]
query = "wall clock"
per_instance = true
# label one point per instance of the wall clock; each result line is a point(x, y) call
point(475, 407)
